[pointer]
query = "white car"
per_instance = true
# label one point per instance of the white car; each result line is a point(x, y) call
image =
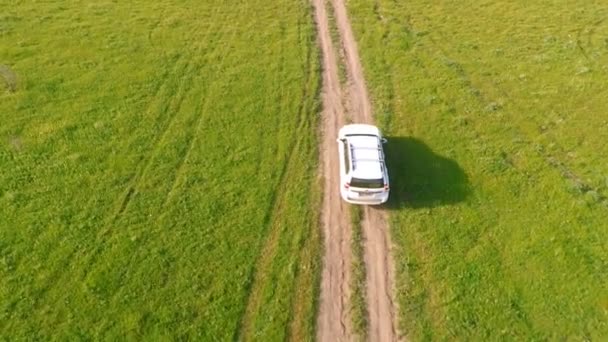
point(363, 174)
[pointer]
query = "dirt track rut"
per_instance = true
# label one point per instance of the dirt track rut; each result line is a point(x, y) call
point(334, 321)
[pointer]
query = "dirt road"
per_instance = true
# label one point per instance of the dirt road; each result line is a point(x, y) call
point(334, 321)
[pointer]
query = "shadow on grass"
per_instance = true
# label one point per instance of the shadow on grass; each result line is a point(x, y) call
point(420, 178)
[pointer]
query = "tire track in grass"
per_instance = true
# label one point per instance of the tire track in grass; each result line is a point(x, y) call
point(305, 281)
point(269, 251)
point(168, 107)
point(254, 287)
point(163, 103)
point(302, 309)
point(301, 243)
point(307, 243)
point(172, 111)
point(259, 281)
point(173, 108)
point(159, 91)
point(194, 127)
point(59, 273)
point(189, 121)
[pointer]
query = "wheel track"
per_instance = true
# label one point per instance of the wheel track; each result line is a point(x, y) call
point(296, 330)
point(269, 250)
point(172, 107)
point(59, 273)
point(266, 256)
point(379, 276)
point(169, 108)
point(167, 102)
point(380, 302)
point(194, 128)
point(334, 323)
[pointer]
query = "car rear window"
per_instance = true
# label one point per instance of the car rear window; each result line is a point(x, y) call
point(367, 183)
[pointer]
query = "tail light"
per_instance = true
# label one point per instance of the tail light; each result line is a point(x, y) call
point(386, 187)
point(346, 185)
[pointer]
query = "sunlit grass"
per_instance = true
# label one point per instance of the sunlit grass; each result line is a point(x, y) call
point(496, 120)
point(150, 153)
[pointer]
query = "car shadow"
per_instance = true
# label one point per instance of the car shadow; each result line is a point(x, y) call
point(420, 178)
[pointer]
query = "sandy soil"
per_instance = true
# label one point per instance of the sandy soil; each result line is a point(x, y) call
point(335, 295)
point(379, 277)
point(334, 322)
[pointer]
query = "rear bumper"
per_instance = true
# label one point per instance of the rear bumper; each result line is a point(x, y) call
point(371, 200)
point(353, 201)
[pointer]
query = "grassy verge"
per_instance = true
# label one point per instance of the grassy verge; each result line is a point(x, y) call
point(496, 132)
point(150, 153)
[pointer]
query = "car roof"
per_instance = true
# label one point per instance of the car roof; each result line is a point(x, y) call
point(366, 156)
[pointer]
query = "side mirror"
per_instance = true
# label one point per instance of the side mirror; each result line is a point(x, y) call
point(340, 140)
point(384, 141)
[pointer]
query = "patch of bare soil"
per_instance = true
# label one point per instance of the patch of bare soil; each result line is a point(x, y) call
point(333, 320)
point(334, 323)
point(377, 244)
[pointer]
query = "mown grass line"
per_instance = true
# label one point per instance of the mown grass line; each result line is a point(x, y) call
point(497, 195)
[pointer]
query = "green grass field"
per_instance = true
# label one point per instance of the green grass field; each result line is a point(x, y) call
point(158, 170)
point(497, 120)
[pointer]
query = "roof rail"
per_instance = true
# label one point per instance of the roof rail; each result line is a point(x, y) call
point(354, 161)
